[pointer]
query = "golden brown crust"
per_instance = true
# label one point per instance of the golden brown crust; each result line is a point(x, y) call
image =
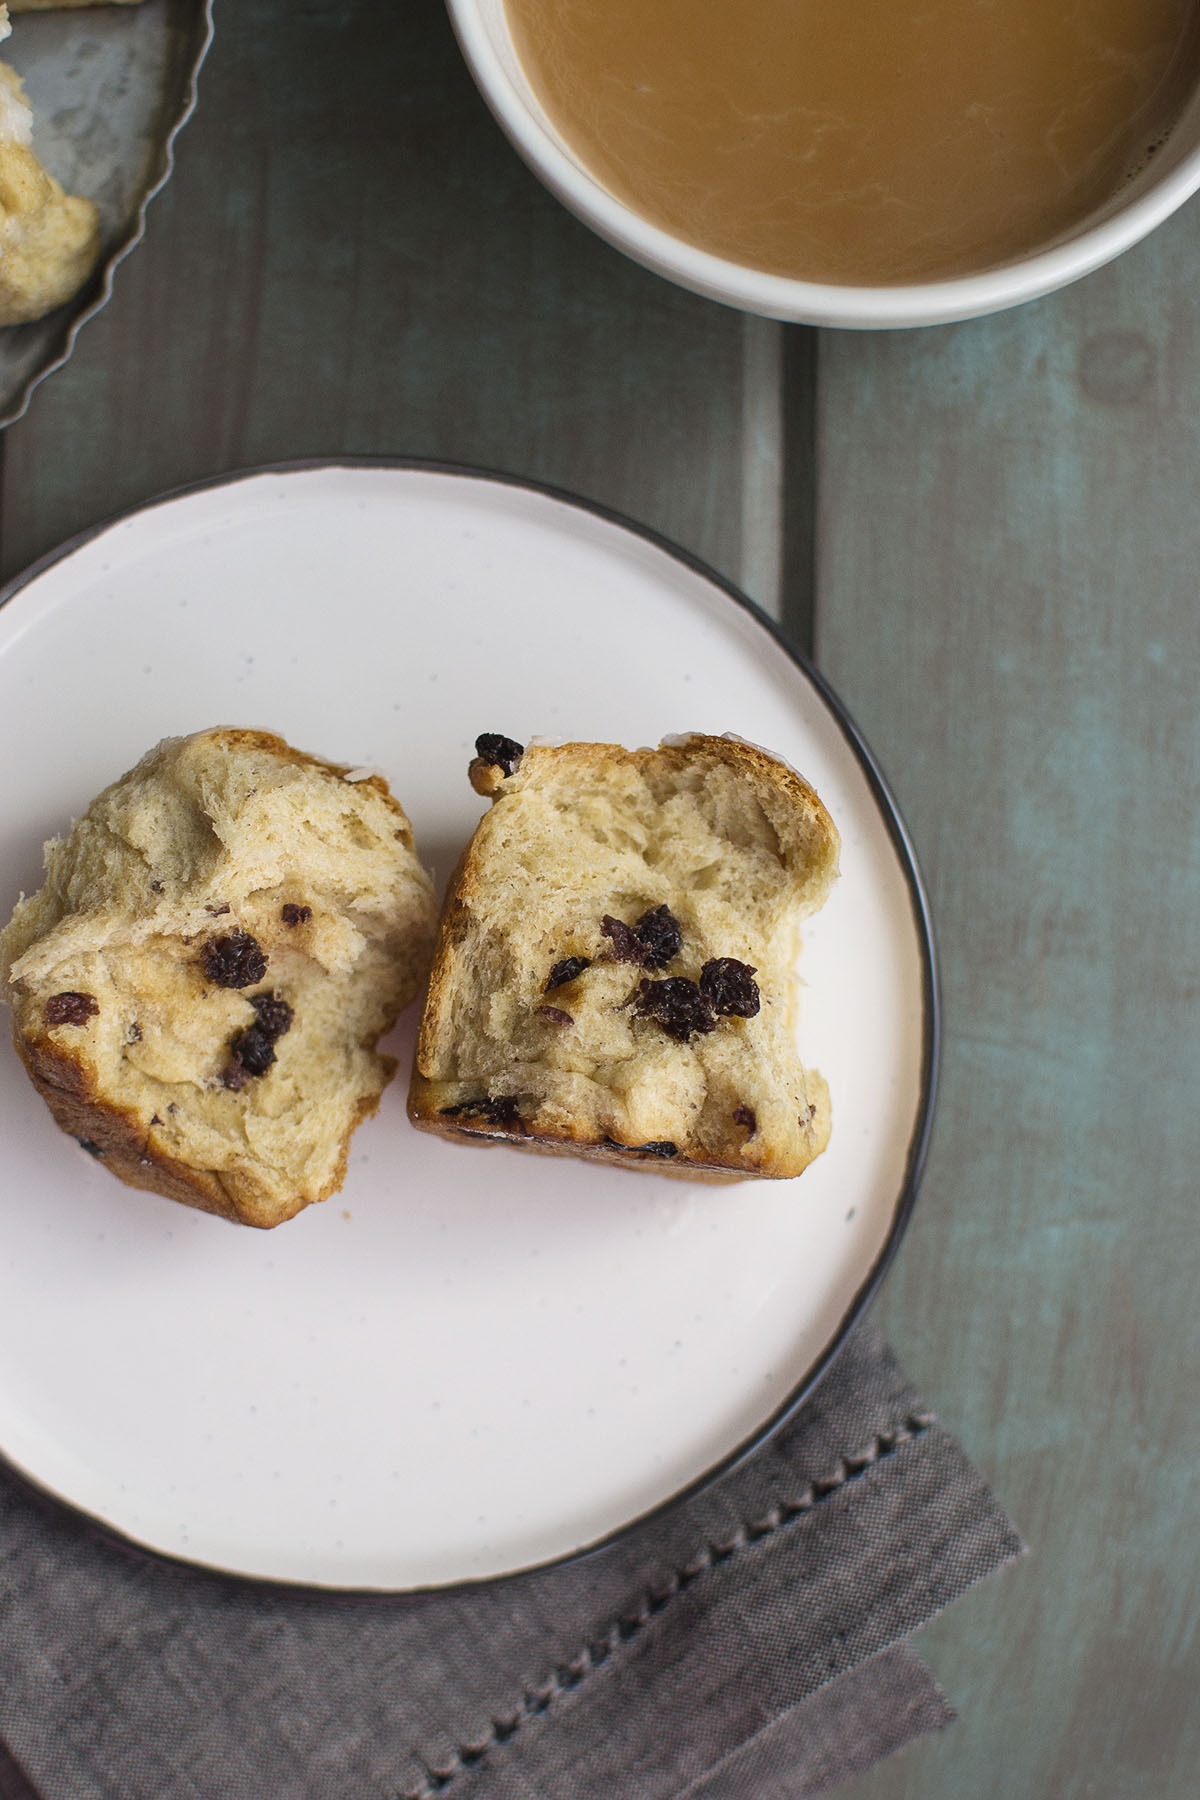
point(423, 1109)
point(118, 1140)
point(243, 737)
point(735, 752)
point(425, 1104)
point(114, 1136)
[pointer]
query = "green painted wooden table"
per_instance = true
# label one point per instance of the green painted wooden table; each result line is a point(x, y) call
point(988, 534)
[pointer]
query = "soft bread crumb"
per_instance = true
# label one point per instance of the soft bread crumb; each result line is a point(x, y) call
point(738, 848)
point(16, 114)
point(49, 239)
point(226, 868)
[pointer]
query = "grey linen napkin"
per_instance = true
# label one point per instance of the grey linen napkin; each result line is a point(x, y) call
point(749, 1644)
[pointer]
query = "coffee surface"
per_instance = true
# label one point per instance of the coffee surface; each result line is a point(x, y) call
point(862, 141)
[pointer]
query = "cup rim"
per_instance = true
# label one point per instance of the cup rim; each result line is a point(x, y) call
point(785, 297)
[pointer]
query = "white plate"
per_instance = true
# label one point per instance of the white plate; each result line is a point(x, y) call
point(470, 1361)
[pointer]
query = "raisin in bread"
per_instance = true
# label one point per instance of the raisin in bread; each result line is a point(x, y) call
point(615, 972)
point(199, 987)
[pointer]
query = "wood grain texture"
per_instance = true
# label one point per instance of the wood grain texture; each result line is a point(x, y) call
point(350, 259)
point(1007, 566)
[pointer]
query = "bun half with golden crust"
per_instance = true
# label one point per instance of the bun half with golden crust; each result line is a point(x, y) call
point(615, 974)
point(199, 987)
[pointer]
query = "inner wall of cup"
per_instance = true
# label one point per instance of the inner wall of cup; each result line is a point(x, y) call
point(1174, 149)
point(494, 20)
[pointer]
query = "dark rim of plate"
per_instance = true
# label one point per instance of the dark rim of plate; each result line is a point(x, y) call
point(930, 1047)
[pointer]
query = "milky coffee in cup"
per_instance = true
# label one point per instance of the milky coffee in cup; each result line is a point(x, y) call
point(862, 142)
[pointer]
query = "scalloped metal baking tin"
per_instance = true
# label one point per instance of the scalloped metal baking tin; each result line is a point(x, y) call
point(110, 88)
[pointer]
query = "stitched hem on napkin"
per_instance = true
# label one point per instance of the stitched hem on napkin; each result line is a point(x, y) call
point(754, 1624)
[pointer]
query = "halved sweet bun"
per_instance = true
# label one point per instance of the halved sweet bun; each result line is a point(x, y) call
point(615, 973)
point(199, 987)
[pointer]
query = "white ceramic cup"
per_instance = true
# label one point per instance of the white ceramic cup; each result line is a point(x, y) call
point(1168, 179)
